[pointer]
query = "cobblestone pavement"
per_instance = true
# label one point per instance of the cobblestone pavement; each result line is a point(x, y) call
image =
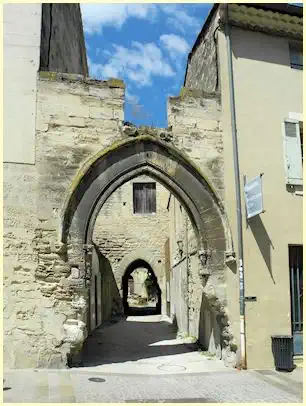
point(69, 386)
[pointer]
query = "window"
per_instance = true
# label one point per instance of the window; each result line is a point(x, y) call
point(144, 197)
point(301, 138)
point(296, 56)
point(293, 144)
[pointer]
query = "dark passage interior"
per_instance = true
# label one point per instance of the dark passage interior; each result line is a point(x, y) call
point(153, 292)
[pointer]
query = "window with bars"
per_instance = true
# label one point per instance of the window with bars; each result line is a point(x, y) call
point(144, 198)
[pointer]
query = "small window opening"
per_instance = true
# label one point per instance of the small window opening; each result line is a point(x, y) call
point(144, 197)
point(296, 56)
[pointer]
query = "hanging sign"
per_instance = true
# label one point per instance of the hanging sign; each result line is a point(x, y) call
point(253, 197)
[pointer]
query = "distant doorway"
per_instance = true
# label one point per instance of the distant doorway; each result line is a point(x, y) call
point(141, 294)
point(296, 293)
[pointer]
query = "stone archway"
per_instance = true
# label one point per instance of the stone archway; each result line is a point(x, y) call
point(137, 263)
point(109, 169)
point(145, 154)
point(147, 256)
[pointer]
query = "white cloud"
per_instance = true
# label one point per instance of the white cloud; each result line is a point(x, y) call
point(179, 18)
point(137, 64)
point(131, 98)
point(176, 45)
point(95, 69)
point(95, 16)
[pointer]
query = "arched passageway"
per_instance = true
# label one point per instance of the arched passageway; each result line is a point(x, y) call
point(108, 170)
point(125, 285)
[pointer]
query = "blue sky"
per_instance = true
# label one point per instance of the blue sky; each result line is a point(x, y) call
point(147, 46)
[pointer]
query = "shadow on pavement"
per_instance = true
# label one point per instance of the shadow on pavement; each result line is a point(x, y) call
point(131, 339)
point(141, 311)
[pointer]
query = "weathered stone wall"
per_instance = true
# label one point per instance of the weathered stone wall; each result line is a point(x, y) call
point(46, 298)
point(119, 232)
point(195, 121)
point(62, 47)
point(194, 117)
point(103, 285)
point(204, 301)
point(202, 68)
point(43, 309)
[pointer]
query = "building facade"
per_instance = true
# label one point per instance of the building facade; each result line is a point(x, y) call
point(267, 62)
point(74, 176)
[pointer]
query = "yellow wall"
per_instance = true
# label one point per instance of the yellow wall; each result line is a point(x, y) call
point(267, 90)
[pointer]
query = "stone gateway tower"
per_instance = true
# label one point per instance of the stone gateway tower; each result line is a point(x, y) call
point(79, 151)
point(71, 164)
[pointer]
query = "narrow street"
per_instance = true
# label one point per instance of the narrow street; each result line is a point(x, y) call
point(144, 344)
point(139, 359)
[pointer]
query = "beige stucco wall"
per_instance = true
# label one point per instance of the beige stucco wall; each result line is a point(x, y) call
point(21, 31)
point(267, 90)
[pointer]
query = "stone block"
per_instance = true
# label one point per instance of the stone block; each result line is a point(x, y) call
point(106, 92)
point(69, 121)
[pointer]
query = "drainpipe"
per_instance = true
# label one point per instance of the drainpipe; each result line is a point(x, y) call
point(238, 192)
point(187, 276)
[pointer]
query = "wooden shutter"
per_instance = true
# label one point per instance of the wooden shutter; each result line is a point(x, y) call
point(144, 197)
point(293, 153)
point(150, 198)
point(138, 197)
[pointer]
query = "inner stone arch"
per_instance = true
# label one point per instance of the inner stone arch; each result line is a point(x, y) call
point(133, 266)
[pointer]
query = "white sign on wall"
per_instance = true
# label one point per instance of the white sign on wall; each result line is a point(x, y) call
point(253, 197)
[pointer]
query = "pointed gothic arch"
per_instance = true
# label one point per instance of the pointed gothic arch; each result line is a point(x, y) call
point(127, 159)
